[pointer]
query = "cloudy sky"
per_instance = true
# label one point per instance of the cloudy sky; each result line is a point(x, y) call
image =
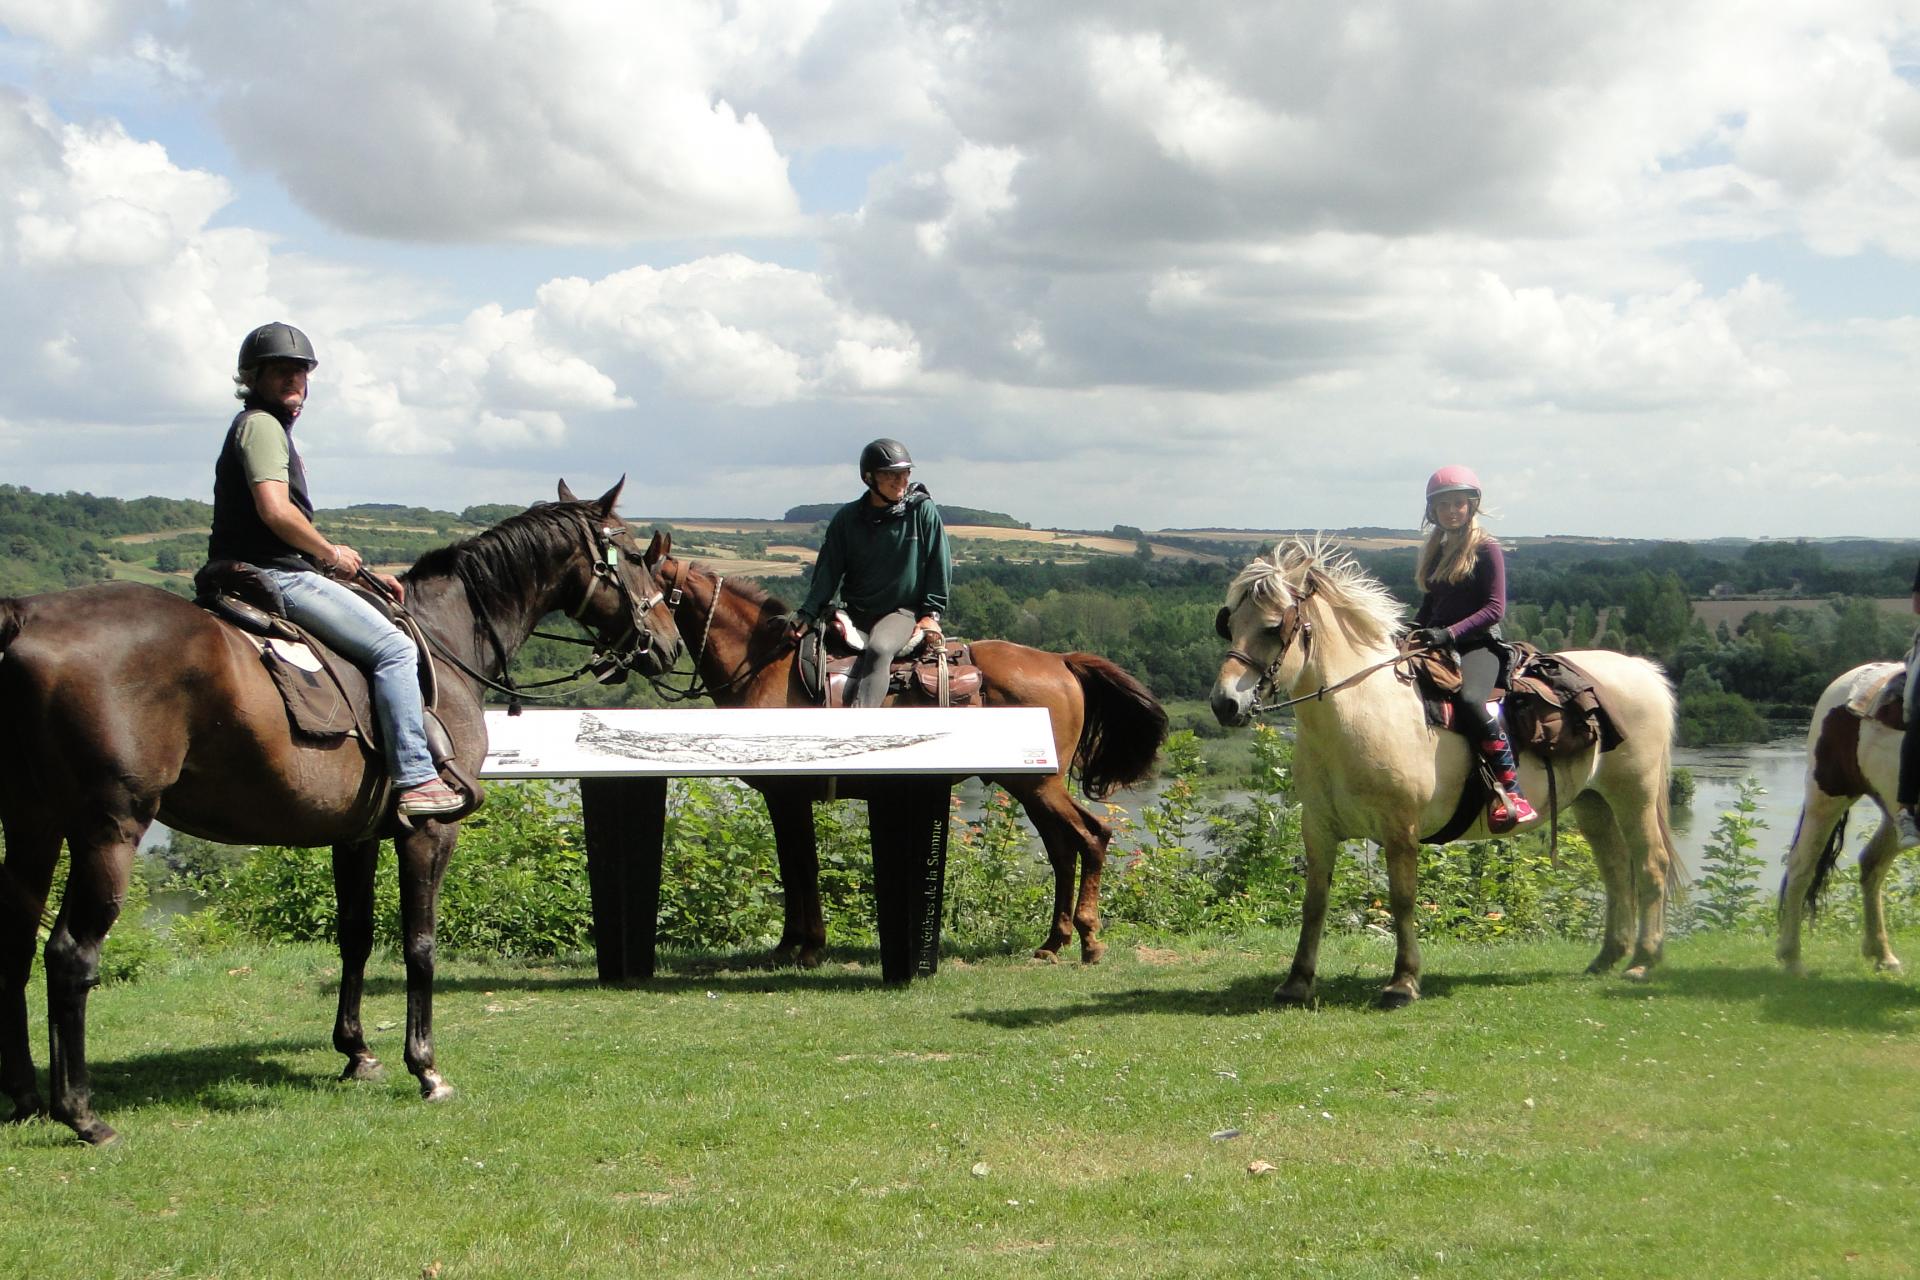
point(1652, 268)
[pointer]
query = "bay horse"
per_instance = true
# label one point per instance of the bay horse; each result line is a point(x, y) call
point(1107, 726)
point(1849, 755)
point(122, 704)
point(1368, 765)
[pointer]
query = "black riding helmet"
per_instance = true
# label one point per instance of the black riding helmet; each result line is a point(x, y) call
point(276, 341)
point(884, 455)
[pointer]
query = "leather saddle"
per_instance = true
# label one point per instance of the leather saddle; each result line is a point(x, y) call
point(328, 697)
point(943, 677)
point(1549, 705)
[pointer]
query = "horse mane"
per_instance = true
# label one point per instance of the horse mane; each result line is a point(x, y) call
point(508, 565)
point(1358, 600)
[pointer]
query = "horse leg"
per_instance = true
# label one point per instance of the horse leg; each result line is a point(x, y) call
point(1820, 813)
point(424, 852)
point(803, 926)
point(102, 864)
point(353, 867)
point(1875, 861)
point(1402, 854)
point(1648, 858)
point(1597, 824)
point(32, 853)
point(1321, 848)
point(1075, 840)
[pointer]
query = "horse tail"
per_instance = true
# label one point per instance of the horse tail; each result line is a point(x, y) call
point(1829, 856)
point(1122, 729)
point(1666, 727)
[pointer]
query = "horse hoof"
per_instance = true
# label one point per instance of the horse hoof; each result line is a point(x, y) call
point(1890, 965)
point(1046, 955)
point(95, 1134)
point(1637, 973)
point(1397, 998)
point(1293, 994)
point(1090, 952)
point(434, 1089)
point(1794, 968)
point(363, 1068)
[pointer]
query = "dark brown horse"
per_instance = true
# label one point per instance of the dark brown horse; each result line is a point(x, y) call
point(121, 704)
point(1106, 726)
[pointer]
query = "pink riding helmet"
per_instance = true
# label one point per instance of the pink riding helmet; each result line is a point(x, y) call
point(1455, 479)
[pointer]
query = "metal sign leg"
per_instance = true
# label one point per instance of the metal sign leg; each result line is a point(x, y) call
point(907, 821)
point(625, 821)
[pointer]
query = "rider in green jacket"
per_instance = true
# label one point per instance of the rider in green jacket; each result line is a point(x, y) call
point(885, 555)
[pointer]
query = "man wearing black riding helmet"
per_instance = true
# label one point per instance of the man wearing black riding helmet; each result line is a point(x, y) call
point(885, 554)
point(263, 517)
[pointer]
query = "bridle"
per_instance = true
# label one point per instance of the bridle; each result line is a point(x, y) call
point(1293, 625)
point(607, 661)
point(697, 686)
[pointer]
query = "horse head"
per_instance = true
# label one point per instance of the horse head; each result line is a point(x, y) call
point(619, 601)
point(1270, 619)
point(1269, 635)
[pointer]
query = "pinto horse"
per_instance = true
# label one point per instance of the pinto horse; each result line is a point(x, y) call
point(121, 704)
point(1848, 756)
point(1106, 725)
point(1305, 620)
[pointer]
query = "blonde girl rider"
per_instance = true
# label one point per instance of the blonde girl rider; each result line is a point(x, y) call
point(1464, 577)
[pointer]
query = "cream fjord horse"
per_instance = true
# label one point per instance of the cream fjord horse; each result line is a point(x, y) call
point(1849, 755)
point(1368, 766)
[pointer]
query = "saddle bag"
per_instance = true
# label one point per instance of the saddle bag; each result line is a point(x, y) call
point(1554, 709)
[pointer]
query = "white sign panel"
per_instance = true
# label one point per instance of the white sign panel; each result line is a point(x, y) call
point(722, 742)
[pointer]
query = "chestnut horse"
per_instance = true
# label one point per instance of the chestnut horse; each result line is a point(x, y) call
point(1106, 725)
point(1313, 625)
point(121, 704)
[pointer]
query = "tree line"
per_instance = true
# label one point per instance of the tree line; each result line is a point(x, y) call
point(1813, 609)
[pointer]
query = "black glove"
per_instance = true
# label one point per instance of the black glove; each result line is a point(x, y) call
point(1434, 638)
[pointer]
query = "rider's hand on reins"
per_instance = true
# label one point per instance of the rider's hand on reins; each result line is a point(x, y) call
point(1433, 638)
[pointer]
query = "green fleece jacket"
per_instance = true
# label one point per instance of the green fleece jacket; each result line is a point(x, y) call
point(880, 559)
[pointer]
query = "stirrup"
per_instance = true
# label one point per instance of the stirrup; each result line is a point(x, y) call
point(1509, 809)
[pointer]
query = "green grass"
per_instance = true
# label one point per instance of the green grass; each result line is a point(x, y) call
point(1003, 1118)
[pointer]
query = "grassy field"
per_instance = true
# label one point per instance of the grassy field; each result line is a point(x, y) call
point(1154, 1116)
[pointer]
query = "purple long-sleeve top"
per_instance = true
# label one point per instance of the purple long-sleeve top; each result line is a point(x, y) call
point(1468, 607)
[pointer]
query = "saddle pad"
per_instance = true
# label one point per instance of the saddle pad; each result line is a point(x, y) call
point(320, 704)
point(1865, 690)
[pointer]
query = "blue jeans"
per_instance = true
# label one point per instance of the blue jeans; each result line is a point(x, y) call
point(361, 632)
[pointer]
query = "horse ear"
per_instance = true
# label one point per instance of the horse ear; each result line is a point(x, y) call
point(611, 496)
point(659, 549)
point(566, 494)
point(1220, 623)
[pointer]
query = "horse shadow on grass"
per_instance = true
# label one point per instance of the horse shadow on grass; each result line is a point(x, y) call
point(1239, 998)
point(1845, 1002)
point(222, 1078)
point(851, 969)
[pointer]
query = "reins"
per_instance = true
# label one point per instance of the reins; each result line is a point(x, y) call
point(1294, 626)
point(601, 664)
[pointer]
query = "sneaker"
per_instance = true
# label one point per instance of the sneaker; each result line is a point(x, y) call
point(429, 799)
point(1508, 810)
point(1906, 830)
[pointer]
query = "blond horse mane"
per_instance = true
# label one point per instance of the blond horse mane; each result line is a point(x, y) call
point(1364, 608)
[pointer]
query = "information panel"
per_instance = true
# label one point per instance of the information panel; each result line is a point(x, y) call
point(723, 742)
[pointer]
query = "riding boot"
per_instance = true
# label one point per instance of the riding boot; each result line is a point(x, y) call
point(1509, 808)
